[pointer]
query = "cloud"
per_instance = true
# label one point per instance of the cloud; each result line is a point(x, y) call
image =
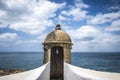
point(28, 42)
point(38, 40)
point(116, 5)
point(75, 12)
point(104, 18)
point(80, 4)
point(29, 16)
point(3, 25)
point(61, 17)
point(89, 38)
point(84, 32)
point(31, 27)
point(13, 10)
point(8, 37)
point(115, 26)
point(34, 17)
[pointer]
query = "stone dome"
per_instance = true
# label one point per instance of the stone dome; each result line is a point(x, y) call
point(57, 36)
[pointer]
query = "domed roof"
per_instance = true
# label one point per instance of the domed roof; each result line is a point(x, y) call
point(57, 36)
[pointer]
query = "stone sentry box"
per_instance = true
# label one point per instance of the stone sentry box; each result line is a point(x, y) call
point(57, 50)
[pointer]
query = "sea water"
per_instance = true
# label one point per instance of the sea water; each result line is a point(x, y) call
point(100, 61)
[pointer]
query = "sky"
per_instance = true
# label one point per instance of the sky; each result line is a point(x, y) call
point(93, 25)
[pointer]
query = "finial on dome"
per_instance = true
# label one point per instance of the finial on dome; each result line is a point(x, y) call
point(58, 27)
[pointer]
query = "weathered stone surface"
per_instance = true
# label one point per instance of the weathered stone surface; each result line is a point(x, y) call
point(57, 50)
point(57, 38)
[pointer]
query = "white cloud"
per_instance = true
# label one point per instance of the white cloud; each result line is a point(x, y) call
point(31, 27)
point(84, 32)
point(28, 42)
point(115, 5)
point(2, 13)
point(89, 38)
point(3, 25)
point(115, 26)
point(35, 16)
point(62, 18)
point(29, 15)
point(2, 22)
point(78, 14)
point(104, 18)
point(75, 12)
point(80, 4)
point(47, 9)
point(7, 37)
point(32, 42)
point(42, 36)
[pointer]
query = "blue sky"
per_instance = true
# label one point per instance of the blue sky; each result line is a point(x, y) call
point(94, 25)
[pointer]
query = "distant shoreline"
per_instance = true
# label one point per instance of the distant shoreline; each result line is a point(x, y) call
point(10, 71)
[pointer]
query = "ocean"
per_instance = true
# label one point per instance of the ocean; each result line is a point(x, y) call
point(100, 61)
